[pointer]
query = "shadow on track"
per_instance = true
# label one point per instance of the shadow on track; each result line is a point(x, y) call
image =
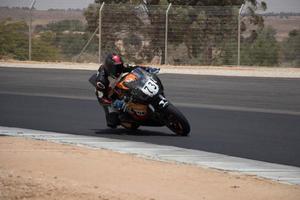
point(131, 132)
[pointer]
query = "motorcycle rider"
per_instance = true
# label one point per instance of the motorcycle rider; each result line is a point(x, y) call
point(107, 77)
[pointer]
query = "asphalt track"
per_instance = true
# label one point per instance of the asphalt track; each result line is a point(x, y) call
point(256, 118)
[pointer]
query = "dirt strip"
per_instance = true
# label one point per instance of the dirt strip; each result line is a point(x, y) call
point(31, 169)
point(196, 70)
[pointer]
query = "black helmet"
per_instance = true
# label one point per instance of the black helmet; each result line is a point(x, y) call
point(114, 65)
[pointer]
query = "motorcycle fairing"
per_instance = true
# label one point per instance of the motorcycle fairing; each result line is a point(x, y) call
point(137, 111)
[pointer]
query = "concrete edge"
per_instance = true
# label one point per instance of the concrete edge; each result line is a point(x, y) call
point(267, 72)
point(276, 172)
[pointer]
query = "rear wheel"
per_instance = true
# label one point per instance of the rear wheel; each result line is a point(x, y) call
point(176, 121)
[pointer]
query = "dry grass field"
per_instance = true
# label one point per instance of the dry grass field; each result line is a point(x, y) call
point(42, 17)
point(283, 25)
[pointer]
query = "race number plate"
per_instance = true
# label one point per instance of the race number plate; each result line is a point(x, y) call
point(150, 88)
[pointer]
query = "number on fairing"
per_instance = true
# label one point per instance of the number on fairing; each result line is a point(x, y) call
point(150, 88)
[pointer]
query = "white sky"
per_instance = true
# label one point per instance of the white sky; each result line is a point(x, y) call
point(273, 5)
point(46, 4)
point(282, 5)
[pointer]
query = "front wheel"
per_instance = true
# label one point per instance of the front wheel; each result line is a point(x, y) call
point(176, 121)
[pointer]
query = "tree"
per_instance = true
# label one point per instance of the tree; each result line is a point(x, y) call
point(44, 51)
point(205, 32)
point(117, 24)
point(70, 44)
point(68, 36)
point(14, 43)
point(65, 25)
point(13, 40)
point(210, 35)
point(263, 51)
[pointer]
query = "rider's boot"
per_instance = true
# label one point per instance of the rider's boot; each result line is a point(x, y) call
point(112, 120)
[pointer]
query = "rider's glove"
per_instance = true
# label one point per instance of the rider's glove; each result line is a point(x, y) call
point(153, 70)
point(129, 65)
point(119, 104)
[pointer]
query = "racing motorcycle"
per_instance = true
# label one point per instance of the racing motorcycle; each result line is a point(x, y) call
point(144, 103)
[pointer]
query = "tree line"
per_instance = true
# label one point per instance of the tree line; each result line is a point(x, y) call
point(56, 41)
point(208, 34)
point(63, 40)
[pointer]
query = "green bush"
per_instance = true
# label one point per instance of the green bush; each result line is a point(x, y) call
point(13, 40)
point(263, 50)
point(14, 43)
point(65, 25)
point(44, 51)
point(291, 49)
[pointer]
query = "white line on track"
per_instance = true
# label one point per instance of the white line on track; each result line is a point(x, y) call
point(190, 105)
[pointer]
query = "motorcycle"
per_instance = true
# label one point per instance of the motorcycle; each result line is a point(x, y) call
point(144, 103)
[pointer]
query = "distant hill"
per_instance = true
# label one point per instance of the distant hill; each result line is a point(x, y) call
point(283, 25)
point(41, 17)
point(281, 14)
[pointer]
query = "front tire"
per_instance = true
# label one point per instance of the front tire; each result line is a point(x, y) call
point(176, 121)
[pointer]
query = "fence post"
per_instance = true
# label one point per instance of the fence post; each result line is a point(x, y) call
point(166, 34)
point(239, 34)
point(100, 30)
point(86, 45)
point(30, 27)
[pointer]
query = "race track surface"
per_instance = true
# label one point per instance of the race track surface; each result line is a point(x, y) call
point(256, 118)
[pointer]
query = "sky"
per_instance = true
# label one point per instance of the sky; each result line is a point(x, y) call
point(273, 5)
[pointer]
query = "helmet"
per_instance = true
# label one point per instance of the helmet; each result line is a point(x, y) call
point(114, 65)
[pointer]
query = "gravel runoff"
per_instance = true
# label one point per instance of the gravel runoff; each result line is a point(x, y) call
point(276, 72)
point(33, 169)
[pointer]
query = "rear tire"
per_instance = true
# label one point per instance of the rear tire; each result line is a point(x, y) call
point(176, 121)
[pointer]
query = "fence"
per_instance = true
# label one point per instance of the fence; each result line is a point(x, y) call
point(56, 34)
point(144, 34)
point(276, 44)
point(181, 35)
